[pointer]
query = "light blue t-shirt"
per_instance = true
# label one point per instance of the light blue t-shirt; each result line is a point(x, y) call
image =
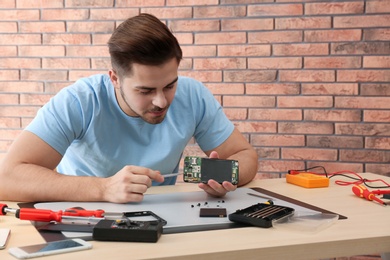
point(85, 124)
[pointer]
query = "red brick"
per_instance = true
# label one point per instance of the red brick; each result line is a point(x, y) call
point(275, 10)
point(275, 37)
point(41, 51)
point(278, 140)
point(199, 51)
point(66, 39)
point(87, 51)
point(4, 145)
point(365, 156)
point(256, 127)
point(337, 167)
point(267, 153)
point(19, 111)
point(363, 102)
point(219, 63)
point(249, 75)
point(330, 89)
point(359, 21)
point(21, 86)
point(26, 63)
point(377, 116)
point(99, 39)
point(332, 62)
point(44, 75)
point(185, 64)
point(361, 48)
point(9, 27)
point(275, 114)
point(381, 34)
point(9, 74)
point(243, 50)
point(194, 25)
point(8, 4)
point(334, 8)
point(236, 113)
point(248, 101)
point(220, 38)
point(372, 89)
point(113, 13)
point(226, 89)
point(7, 51)
point(377, 7)
point(203, 76)
point(303, 49)
point(189, 2)
point(70, 14)
point(309, 154)
point(378, 143)
point(272, 88)
point(55, 87)
point(9, 99)
point(247, 24)
point(168, 13)
point(20, 39)
point(280, 166)
point(376, 62)
point(304, 101)
point(19, 15)
point(332, 35)
point(219, 11)
point(307, 75)
point(303, 23)
point(34, 99)
point(39, 4)
point(76, 74)
point(101, 63)
point(41, 27)
point(65, 63)
point(138, 3)
point(305, 128)
point(9, 134)
point(335, 141)
point(184, 38)
point(275, 63)
point(378, 168)
point(363, 75)
point(332, 115)
point(91, 27)
point(362, 129)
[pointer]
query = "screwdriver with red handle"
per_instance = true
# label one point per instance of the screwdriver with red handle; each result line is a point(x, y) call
point(44, 215)
point(363, 192)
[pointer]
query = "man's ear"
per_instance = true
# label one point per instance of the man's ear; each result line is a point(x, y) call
point(114, 78)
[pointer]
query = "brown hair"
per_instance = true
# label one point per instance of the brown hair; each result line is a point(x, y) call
point(142, 39)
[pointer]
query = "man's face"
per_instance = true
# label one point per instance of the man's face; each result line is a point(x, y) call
point(148, 91)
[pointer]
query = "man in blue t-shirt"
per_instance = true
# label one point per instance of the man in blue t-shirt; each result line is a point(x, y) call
point(111, 137)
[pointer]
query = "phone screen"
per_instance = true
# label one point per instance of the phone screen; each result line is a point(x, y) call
point(51, 246)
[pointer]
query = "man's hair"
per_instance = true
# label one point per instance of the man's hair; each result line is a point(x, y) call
point(142, 39)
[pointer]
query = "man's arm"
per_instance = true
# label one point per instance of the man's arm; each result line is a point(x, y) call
point(27, 173)
point(236, 147)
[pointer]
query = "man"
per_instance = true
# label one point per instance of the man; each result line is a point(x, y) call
point(111, 137)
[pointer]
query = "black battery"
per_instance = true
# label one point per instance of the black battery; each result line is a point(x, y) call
point(127, 230)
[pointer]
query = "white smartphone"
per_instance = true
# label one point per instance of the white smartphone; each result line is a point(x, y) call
point(4, 233)
point(50, 248)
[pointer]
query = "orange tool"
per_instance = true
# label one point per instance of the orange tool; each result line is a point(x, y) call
point(363, 192)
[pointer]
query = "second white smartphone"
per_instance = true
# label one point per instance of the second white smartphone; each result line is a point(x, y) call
point(50, 248)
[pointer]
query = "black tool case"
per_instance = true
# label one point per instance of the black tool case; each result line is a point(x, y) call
point(260, 215)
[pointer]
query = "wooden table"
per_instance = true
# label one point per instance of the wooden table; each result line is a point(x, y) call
point(366, 231)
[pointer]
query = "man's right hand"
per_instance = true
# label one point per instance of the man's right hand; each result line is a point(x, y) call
point(129, 184)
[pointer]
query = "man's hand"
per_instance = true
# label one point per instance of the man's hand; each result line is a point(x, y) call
point(214, 188)
point(130, 184)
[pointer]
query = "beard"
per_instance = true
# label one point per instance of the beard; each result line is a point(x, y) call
point(156, 115)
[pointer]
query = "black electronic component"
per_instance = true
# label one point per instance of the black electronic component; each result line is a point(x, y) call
point(198, 169)
point(213, 212)
point(260, 215)
point(129, 230)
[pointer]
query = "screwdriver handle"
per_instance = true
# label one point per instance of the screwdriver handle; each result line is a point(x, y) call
point(42, 215)
point(80, 212)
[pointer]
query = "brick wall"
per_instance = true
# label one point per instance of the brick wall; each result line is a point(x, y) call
point(307, 82)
